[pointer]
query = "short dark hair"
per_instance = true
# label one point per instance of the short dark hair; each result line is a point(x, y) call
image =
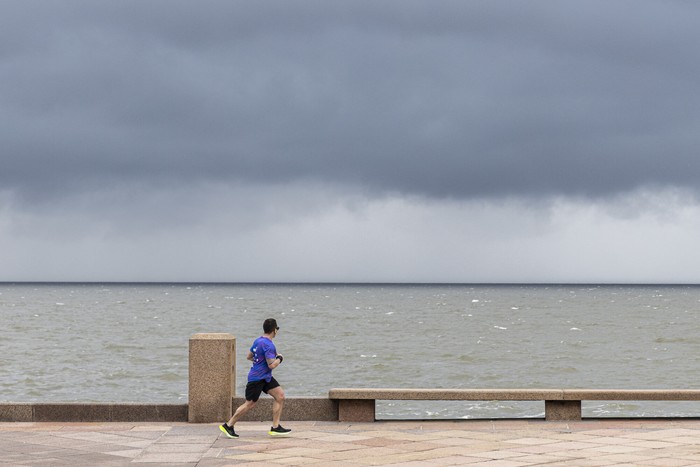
point(270, 325)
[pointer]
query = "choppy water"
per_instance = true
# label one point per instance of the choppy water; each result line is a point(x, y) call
point(129, 343)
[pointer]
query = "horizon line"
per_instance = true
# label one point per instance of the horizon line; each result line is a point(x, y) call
point(358, 283)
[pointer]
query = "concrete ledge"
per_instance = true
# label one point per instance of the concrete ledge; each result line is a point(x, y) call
point(71, 412)
point(150, 413)
point(295, 409)
point(344, 404)
point(21, 412)
point(516, 394)
point(92, 412)
point(632, 394)
point(447, 394)
point(358, 404)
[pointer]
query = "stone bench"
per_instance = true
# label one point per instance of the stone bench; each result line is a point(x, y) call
point(358, 404)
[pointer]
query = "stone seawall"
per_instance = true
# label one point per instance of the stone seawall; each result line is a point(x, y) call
point(295, 409)
point(212, 397)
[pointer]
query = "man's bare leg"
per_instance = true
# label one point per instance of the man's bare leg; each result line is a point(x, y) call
point(240, 411)
point(277, 404)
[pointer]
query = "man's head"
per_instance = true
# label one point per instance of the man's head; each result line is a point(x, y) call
point(270, 326)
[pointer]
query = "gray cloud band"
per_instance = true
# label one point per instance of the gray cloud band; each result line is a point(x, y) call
point(439, 99)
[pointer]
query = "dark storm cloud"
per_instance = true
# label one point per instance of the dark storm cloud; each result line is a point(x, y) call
point(441, 99)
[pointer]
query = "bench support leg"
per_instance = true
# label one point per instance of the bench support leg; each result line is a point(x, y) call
point(562, 410)
point(356, 410)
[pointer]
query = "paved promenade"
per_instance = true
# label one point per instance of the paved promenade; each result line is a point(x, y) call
point(492, 443)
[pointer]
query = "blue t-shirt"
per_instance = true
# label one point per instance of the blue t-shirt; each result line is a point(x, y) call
point(262, 349)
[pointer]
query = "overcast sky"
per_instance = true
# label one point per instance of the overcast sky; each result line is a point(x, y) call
point(393, 141)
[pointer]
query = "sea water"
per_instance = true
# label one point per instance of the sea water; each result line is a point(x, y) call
point(129, 342)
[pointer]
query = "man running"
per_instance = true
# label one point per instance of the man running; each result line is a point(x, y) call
point(265, 358)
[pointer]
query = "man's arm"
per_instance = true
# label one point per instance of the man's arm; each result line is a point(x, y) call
point(249, 356)
point(273, 363)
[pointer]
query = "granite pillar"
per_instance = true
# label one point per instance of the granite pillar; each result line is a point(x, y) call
point(212, 377)
point(356, 410)
point(562, 410)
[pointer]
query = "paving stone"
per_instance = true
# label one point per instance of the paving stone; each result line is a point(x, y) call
point(196, 439)
point(129, 453)
point(169, 457)
point(508, 443)
point(183, 447)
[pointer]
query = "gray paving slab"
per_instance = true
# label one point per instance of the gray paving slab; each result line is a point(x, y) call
point(502, 442)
